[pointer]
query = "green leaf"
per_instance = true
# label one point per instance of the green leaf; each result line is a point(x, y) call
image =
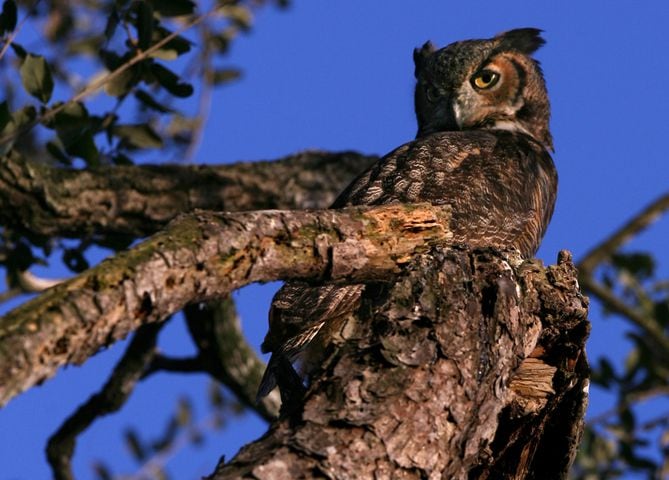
point(86, 45)
point(24, 116)
point(122, 83)
point(112, 22)
point(19, 119)
point(173, 8)
point(220, 41)
point(173, 48)
point(604, 374)
point(112, 60)
point(639, 264)
point(239, 15)
point(8, 17)
point(83, 146)
point(171, 82)
point(150, 102)
point(36, 77)
point(144, 24)
point(5, 115)
point(224, 75)
point(101, 471)
point(72, 114)
point(55, 149)
point(19, 51)
point(75, 130)
point(138, 136)
point(627, 420)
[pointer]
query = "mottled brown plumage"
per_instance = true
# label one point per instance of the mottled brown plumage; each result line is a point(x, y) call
point(482, 147)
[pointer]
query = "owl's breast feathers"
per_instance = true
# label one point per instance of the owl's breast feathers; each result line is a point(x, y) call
point(501, 186)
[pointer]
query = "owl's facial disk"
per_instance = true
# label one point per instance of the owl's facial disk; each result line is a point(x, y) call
point(483, 84)
point(491, 96)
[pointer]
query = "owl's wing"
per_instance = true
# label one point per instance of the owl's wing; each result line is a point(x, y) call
point(298, 313)
point(300, 309)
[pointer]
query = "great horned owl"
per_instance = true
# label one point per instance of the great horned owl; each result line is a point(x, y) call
point(482, 147)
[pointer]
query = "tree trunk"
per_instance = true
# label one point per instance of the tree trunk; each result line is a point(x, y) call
point(471, 365)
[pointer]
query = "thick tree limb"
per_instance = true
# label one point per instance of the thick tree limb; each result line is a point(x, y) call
point(137, 201)
point(204, 256)
point(433, 379)
point(226, 355)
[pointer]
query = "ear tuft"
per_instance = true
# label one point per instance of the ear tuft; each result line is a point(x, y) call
point(421, 54)
point(524, 40)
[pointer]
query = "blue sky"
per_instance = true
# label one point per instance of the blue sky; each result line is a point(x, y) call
point(339, 76)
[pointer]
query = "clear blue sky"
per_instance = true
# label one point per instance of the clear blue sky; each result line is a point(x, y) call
point(338, 75)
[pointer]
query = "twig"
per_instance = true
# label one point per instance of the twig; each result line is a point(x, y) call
point(26, 282)
point(13, 35)
point(628, 401)
point(162, 363)
point(203, 107)
point(154, 465)
point(614, 303)
point(113, 395)
point(30, 283)
point(639, 222)
point(604, 251)
point(99, 83)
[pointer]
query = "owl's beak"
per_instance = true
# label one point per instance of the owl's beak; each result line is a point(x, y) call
point(443, 117)
point(449, 113)
point(457, 115)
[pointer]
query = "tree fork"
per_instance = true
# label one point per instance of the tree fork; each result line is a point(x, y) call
point(470, 366)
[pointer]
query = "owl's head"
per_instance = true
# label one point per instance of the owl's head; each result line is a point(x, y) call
point(483, 84)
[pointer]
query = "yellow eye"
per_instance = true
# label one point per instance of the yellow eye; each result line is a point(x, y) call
point(485, 79)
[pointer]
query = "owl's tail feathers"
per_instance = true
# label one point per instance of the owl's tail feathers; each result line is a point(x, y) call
point(268, 382)
point(280, 372)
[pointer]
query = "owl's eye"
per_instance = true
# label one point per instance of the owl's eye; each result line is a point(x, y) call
point(485, 79)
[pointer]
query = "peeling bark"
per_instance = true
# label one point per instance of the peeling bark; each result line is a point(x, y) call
point(199, 257)
point(470, 366)
point(136, 201)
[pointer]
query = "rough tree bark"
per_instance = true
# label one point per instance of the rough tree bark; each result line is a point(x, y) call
point(139, 200)
point(471, 365)
point(200, 257)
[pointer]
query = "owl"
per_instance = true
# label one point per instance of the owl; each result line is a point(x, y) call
point(482, 147)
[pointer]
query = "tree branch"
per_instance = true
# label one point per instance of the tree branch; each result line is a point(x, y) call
point(111, 398)
point(616, 240)
point(603, 252)
point(199, 257)
point(226, 354)
point(137, 201)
